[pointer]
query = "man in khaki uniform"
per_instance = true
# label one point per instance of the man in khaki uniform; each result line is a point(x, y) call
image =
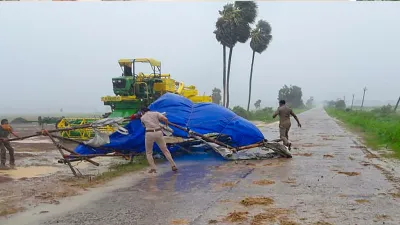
point(284, 113)
point(151, 122)
point(5, 131)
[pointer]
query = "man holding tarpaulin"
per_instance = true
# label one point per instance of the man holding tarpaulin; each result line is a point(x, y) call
point(284, 113)
point(151, 122)
point(5, 131)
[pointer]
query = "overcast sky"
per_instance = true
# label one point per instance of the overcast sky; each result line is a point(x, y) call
point(63, 55)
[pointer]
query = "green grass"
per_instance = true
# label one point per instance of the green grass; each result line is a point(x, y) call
point(117, 170)
point(380, 130)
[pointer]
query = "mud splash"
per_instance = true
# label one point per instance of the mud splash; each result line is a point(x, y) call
point(237, 216)
point(361, 201)
point(263, 182)
point(179, 222)
point(226, 185)
point(271, 216)
point(290, 181)
point(249, 201)
point(322, 223)
point(303, 154)
point(349, 173)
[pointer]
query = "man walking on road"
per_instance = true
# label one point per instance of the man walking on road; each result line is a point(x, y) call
point(151, 122)
point(5, 131)
point(284, 113)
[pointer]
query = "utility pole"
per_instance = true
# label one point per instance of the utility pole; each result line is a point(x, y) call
point(362, 103)
point(352, 101)
point(397, 104)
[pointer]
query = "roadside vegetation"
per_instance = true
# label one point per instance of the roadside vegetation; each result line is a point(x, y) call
point(114, 171)
point(291, 94)
point(380, 126)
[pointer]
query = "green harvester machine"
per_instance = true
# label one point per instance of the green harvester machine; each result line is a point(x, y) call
point(132, 91)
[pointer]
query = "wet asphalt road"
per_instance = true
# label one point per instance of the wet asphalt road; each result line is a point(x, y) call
point(309, 186)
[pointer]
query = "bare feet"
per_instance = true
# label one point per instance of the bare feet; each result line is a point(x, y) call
point(174, 169)
point(153, 171)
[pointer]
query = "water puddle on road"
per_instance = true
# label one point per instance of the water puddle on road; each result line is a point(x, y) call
point(29, 172)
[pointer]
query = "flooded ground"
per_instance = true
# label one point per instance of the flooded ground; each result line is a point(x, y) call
point(29, 172)
point(38, 177)
point(332, 179)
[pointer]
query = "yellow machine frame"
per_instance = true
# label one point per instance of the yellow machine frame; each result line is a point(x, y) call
point(84, 133)
point(128, 62)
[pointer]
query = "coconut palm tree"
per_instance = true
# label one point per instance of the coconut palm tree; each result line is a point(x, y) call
point(233, 26)
point(223, 34)
point(242, 13)
point(260, 39)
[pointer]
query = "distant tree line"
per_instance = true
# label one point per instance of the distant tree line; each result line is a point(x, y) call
point(291, 94)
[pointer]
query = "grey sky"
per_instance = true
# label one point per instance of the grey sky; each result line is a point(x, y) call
point(63, 55)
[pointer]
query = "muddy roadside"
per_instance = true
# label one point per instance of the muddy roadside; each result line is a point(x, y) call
point(39, 177)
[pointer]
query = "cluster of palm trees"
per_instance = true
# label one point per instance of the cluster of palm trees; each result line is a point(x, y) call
point(233, 26)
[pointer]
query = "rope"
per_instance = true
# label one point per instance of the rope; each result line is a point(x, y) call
point(191, 112)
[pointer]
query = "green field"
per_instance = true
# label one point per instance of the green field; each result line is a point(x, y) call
point(380, 129)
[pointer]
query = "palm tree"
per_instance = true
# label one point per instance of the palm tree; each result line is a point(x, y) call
point(242, 13)
point(233, 26)
point(260, 39)
point(219, 36)
point(223, 34)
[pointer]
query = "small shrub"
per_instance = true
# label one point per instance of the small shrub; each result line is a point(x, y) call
point(340, 104)
point(240, 111)
point(385, 110)
point(19, 120)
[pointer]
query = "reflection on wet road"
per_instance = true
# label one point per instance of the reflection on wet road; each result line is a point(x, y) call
point(328, 181)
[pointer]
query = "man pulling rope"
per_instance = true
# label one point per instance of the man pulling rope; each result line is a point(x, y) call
point(151, 122)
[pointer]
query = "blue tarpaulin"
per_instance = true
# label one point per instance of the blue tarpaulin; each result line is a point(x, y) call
point(203, 118)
